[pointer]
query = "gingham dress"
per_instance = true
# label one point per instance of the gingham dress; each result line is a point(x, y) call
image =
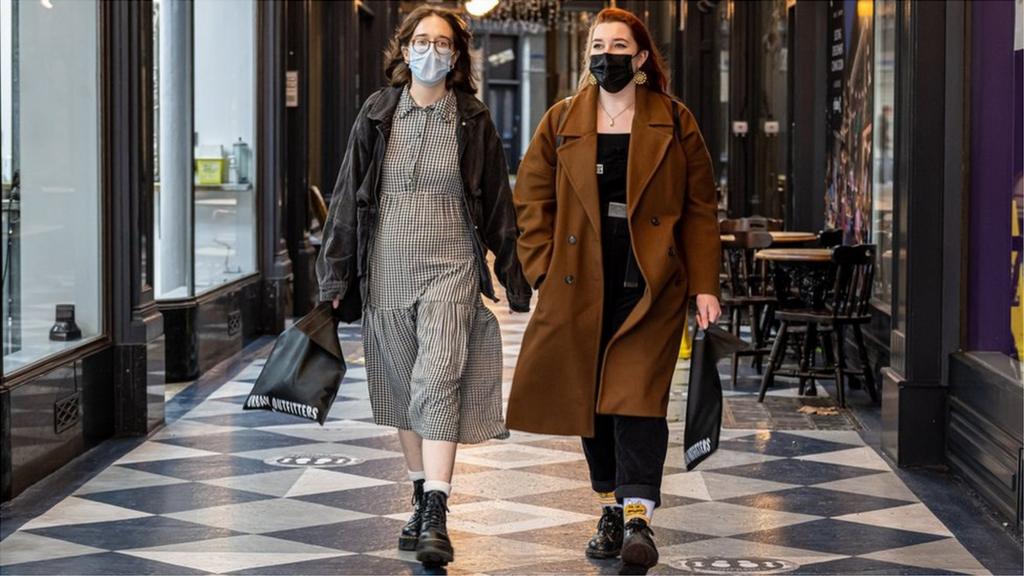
point(433, 350)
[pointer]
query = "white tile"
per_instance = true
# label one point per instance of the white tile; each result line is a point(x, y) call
point(351, 409)
point(268, 515)
point(332, 430)
point(687, 484)
point(506, 456)
point(152, 451)
point(725, 486)
point(74, 510)
point(842, 436)
point(269, 483)
point(318, 481)
point(230, 389)
point(863, 457)
point(722, 519)
point(948, 555)
point(499, 484)
point(191, 428)
point(118, 478)
point(881, 485)
point(236, 553)
point(733, 548)
point(721, 458)
point(321, 448)
point(213, 408)
point(496, 517)
point(24, 547)
point(794, 392)
point(913, 517)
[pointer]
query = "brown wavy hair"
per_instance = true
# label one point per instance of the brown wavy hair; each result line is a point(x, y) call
point(654, 66)
point(461, 76)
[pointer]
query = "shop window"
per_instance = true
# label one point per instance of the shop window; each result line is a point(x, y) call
point(205, 206)
point(883, 148)
point(52, 202)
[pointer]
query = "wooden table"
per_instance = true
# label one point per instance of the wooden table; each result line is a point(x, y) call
point(795, 254)
point(780, 237)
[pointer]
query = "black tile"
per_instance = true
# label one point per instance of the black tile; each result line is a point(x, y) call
point(839, 537)
point(251, 419)
point(380, 500)
point(174, 498)
point(134, 533)
point(582, 500)
point(816, 501)
point(393, 469)
point(356, 564)
point(782, 444)
point(575, 470)
point(204, 467)
point(237, 441)
point(364, 535)
point(793, 471)
point(99, 564)
point(389, 442)
point(866, 566)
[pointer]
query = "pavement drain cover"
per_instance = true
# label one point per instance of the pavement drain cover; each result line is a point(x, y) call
point(312, 460)
point(718, 565)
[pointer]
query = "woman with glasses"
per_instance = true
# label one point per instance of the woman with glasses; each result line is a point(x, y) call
point(617, 207)
point(422, 195)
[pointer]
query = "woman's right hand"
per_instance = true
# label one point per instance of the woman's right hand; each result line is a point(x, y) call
point(336, 302)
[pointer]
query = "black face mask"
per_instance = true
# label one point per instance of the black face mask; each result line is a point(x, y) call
point(612, 71)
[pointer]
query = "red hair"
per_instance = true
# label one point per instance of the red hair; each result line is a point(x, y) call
point(654, 66)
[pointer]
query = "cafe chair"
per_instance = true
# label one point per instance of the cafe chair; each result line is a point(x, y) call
point(847, 306)
point(749, 291)
point(830, 238)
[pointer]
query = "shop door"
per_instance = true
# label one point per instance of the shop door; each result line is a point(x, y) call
point(503, 92)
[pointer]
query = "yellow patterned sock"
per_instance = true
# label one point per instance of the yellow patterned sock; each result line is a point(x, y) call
point(637, 508)
point(606, 499)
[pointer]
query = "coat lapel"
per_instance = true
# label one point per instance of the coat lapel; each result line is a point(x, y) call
point(650, 140)
point(578, 154)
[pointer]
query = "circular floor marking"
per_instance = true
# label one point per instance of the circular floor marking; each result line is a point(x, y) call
point(719, 565)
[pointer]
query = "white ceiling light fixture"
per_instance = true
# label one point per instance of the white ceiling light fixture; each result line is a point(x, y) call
point(479, 8)
point(46, 4)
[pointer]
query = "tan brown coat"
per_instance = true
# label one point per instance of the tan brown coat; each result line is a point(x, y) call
point(672, 209)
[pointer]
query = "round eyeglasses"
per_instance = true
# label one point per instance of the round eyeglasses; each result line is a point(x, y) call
point(442, 46)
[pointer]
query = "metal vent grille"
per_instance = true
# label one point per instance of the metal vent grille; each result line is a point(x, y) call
point(66, 412)
point(234, 322)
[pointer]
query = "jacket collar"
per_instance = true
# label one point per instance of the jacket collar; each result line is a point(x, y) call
point(652, 134)
point(387, 99)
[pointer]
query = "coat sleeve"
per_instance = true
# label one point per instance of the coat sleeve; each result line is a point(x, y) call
point(500, 230)
point(336, 266)
point(535, 199)
point(702, 250)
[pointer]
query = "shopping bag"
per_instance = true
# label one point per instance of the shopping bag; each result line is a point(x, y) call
point(302, 375)
point(704, 394)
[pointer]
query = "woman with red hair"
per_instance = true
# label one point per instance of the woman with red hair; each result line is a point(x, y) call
point(616, 204)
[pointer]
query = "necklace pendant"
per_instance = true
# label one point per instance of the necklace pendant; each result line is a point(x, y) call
point(611, 122)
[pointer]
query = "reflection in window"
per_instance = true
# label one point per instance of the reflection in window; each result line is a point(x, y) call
point(49, 121)
point(883, 153)
point(205, 187)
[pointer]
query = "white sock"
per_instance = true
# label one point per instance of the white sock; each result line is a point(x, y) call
point(638, 507)
point(438, 485)
point(417, 475)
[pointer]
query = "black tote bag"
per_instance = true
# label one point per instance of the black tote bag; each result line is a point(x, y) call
point(704, 394)
point(302, 375)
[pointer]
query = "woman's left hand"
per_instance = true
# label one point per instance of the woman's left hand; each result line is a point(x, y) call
point(708, 310)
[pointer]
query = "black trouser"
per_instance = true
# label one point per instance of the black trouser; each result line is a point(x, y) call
point(627, 453)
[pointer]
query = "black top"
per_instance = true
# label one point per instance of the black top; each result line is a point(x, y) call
point(623, 282)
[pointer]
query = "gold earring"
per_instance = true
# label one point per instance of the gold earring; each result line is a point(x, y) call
point(591, 79)
point(640, 78)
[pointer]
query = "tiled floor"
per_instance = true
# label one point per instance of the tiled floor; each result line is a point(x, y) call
point(224, 491)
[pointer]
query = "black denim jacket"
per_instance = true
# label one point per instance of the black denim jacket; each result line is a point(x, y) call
point(352, 217)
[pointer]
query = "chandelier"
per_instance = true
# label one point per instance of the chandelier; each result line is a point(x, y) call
point(526, 15)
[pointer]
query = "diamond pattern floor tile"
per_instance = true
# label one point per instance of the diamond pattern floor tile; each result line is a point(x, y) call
point(722, 519)
point(268, 515)
point(27, 547)
point(237, 553)
point(838, 537)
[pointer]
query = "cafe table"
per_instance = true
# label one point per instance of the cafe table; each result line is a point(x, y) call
point(809, 270)
point(780, 237)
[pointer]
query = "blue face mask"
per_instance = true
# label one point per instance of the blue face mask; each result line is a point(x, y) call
point(430, 68)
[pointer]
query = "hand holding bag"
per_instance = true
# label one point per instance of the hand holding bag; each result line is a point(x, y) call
point(304, 371)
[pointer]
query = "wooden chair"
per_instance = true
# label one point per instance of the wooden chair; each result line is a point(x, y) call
point(749, 290)
point(848, 306)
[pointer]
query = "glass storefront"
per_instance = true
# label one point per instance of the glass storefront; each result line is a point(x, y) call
point(52, 195)
point(883, 148)
point(205, 207)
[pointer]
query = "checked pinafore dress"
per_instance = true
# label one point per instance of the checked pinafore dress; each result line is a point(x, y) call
point(433, 350)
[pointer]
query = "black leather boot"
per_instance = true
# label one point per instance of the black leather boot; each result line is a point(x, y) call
point(607, 541)
point(411, 531)
point(434, 548)
point(638, 547)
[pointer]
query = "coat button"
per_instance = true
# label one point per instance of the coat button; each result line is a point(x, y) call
point(672, 251)
point(572, 239)
point(655, 221)
point(569, 279)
